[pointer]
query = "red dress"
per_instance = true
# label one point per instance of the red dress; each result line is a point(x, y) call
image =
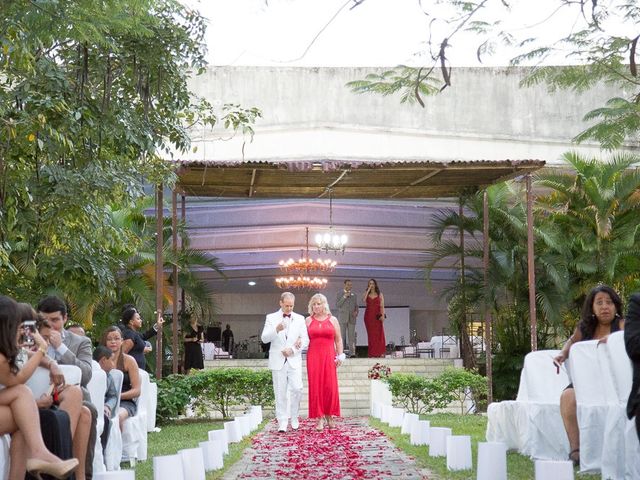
point(375, 328)
point(324, 398)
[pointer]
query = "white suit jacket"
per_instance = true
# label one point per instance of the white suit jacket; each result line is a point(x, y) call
point(284, 338)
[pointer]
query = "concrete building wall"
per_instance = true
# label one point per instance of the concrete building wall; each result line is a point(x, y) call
point(310, 113)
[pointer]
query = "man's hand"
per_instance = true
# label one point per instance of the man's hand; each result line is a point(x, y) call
point(287, 352)
point(55, 374)
point(298, 343)
point(281, 326)
point(55, 339)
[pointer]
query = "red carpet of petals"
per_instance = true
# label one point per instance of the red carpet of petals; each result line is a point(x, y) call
point(351, 450)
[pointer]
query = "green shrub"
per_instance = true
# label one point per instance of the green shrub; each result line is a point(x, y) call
point(259, 388)
point(213, 390)
point(422, 395)
point(174, 394)
point(416, 394)
point(460, 385)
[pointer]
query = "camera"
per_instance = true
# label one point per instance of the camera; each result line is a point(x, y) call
point(27, 330)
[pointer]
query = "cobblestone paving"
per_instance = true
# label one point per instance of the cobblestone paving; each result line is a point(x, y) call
point(351, 450)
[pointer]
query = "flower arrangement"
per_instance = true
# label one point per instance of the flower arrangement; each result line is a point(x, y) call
point(379, 371)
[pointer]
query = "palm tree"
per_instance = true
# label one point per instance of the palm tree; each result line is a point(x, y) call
point(595, 208)
point(135, 281)
point(507, 293)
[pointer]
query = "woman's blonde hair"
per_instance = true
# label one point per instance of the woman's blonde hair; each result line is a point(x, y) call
point(321, 298)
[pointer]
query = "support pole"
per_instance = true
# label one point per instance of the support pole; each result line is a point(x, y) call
point(531, 267)
point(487, 311)
point(159, 276)
point(174, 306)
point(183, 218)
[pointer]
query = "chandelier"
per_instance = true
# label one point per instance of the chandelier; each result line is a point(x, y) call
point(299, 273)
point(331, 241)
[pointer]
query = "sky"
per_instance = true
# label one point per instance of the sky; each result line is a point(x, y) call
point(374, 33)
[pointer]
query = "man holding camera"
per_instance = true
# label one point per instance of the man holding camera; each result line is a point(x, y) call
point(67, 348)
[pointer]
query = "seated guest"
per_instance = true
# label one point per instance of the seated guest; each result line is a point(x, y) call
point(601, 316)
point(18, 410)
point(67, 348)
point(68, 397)
point(77, 329)
point(103, 355)
point(131, 383)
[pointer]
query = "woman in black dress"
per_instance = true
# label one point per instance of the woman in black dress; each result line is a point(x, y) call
point(193, 338)
point(133, 343)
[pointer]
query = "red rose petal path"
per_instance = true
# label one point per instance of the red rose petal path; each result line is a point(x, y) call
point(351, 450)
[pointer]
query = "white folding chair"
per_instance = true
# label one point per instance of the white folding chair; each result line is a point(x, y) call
point(151, 406)
point(5, 441)
point(532, 423)
point(595, 394)
point(134, 432)
point(39, 381)
point(113, 452)
point(620, 456)
point(97, 388)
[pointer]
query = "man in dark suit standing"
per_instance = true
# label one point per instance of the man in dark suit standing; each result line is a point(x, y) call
point(67, 348)
point(632, 343)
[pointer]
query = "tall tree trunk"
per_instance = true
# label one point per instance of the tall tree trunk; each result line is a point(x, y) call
point(466, 351)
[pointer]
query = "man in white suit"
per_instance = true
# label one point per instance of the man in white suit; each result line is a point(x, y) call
point(283, 329)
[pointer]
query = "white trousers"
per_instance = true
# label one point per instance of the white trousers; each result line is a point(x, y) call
point(287, 380)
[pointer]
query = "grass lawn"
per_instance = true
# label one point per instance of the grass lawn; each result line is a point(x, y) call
point(519, 467)
point(187, 435)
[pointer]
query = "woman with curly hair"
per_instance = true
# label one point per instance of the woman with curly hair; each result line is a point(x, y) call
point(601, 316)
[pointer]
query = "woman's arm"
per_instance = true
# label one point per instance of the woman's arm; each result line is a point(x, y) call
point(564, 353)
point(337, 336)
point(127, 345)
point(131, 367)
point(382, 306)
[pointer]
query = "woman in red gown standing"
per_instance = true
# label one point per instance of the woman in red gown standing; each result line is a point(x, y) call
point(374, 319)
point(323, 357)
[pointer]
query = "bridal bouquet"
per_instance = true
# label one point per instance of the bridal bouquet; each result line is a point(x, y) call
point(379, 371)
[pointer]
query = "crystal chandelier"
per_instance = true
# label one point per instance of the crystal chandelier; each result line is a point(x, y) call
point(331, 241)
point(298, 273)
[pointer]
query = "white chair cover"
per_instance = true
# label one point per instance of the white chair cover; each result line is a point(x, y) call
point(532, 423)
point(113, 452)
point(620, 453)
point(134, 432)
point(97, 387)
point(595, 392)
point(5, 440)
point(152, 406)
point(39, 382)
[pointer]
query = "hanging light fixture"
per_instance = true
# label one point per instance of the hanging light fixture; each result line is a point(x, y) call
point(331, 241)
point(299, 273)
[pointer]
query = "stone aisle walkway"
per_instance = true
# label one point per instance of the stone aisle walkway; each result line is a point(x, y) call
point(352, 450)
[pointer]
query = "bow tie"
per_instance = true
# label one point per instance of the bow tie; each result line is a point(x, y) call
point(286, 315)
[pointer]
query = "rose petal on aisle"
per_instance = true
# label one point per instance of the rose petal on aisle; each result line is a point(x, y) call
point(351, 450)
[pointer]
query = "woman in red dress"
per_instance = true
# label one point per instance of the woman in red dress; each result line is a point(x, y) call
point(374, 319)
point(323, 357)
